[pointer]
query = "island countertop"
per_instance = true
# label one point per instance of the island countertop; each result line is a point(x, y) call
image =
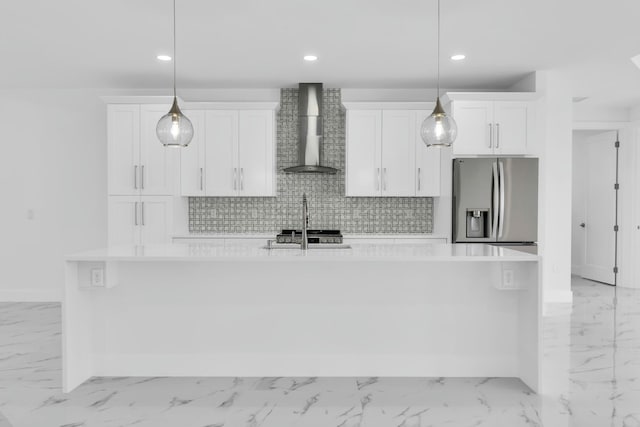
point(357, 252)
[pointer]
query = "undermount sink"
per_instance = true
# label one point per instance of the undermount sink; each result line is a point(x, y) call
point(311, 246)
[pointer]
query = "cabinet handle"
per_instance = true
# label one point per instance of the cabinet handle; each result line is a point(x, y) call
point(241, 179)
point(497, 135)
point(419, 179)
point(384, 179)
point(235, 178)
point(377, 179)
point(490, 134)
point(135, 177)
point(142, 178)
point(142, 216)
point(201, 180)
point(135, 213)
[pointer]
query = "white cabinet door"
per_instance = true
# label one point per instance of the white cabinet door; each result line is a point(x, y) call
point(427, 164)
point(156, 219)
point(158, 164)
point(398, 152)
point(123, 220)
point(363, 153)
point(255, 153)
point(123, 142)
point(221, 174)
point(511, 126)
point(475, 127)
point(192, 158)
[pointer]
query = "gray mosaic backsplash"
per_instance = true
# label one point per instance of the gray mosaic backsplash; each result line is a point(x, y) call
point(328, 206)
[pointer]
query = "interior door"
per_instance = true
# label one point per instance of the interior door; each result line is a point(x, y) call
point(600, 208)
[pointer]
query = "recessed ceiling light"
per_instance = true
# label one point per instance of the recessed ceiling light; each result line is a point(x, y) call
point(164, 57)
point(310, 58)
point(458, 57)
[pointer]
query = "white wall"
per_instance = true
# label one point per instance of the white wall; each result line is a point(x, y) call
point(53, 183)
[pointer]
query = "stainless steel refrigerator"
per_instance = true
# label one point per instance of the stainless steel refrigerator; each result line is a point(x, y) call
point(495, 200)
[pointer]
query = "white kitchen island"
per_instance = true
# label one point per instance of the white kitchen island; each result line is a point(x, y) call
point(202, 309)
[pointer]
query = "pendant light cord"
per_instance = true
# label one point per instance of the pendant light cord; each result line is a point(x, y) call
point(174, 48)
point(438, 57)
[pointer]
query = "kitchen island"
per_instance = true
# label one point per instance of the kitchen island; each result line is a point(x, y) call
point(423, 310)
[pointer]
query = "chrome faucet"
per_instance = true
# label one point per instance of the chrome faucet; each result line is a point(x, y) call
point(304, 243)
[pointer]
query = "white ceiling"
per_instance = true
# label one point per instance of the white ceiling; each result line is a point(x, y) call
point(360, 43)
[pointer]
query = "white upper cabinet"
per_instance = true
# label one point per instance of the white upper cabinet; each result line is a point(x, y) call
point(234, 155)
point(192, 158)
point(398, 153)
point(363, 153)
point(221, 147)
point(427, 162)
point(385, 155)
point(137, 162)
point(492, 127)
point(123, 147)
point(256, 167)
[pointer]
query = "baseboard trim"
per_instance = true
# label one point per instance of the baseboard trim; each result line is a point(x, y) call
point(562, 297)
point(30, 295)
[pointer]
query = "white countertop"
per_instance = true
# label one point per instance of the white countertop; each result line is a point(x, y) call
point(357, 252)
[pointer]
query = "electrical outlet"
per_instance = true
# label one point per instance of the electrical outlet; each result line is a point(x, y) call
point(97, 277)
point(508, 279)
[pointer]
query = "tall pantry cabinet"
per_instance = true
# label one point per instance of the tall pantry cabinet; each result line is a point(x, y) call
point(141, 176)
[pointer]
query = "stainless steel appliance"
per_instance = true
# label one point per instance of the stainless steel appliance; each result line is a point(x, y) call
point(495, 200)
point(313, 236)
point(310, 131)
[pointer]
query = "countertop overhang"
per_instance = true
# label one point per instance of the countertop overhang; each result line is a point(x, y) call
point(201, 252)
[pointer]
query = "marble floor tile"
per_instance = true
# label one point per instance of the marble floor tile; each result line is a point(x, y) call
point(591, 363)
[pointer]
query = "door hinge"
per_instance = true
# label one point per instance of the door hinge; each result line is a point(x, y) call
point(615, 228)
point(615, 270)
point(616, 186)
point(617, 144)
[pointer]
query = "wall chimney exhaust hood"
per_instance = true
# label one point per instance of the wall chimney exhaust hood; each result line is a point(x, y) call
point(310, 130)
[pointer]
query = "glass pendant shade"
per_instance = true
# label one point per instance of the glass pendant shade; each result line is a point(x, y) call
point(439, 129)
point(174, 129)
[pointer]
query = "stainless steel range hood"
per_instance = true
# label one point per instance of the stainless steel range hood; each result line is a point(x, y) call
point(310, 130)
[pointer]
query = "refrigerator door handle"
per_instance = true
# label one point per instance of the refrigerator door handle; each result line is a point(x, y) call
point(502, 185)
point(496, 201)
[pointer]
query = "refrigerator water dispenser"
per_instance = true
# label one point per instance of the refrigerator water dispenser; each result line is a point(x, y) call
point(477, 223)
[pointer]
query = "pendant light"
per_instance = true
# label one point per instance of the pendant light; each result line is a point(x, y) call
point(174, 129)
point(439, 129)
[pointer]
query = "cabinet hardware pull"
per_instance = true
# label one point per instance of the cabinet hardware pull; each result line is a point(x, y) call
point(235, 178)
point(497, 135)
point(490, 135)
point(377, 179)
point(135, 213)
point(142, 216)
point(201, 182)
point(384, 179)
point(241, 179)
point(135, 177)
point(142, 177)
point(419, 179)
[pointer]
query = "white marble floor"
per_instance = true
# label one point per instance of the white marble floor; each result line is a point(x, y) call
point(592, 362)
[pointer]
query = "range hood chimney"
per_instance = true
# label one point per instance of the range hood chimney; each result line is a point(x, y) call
point(310, 130)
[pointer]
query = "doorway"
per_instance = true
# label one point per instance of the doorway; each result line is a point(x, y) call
point(594, 205)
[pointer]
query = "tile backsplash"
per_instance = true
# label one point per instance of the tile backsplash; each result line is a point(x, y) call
point(328, 206)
